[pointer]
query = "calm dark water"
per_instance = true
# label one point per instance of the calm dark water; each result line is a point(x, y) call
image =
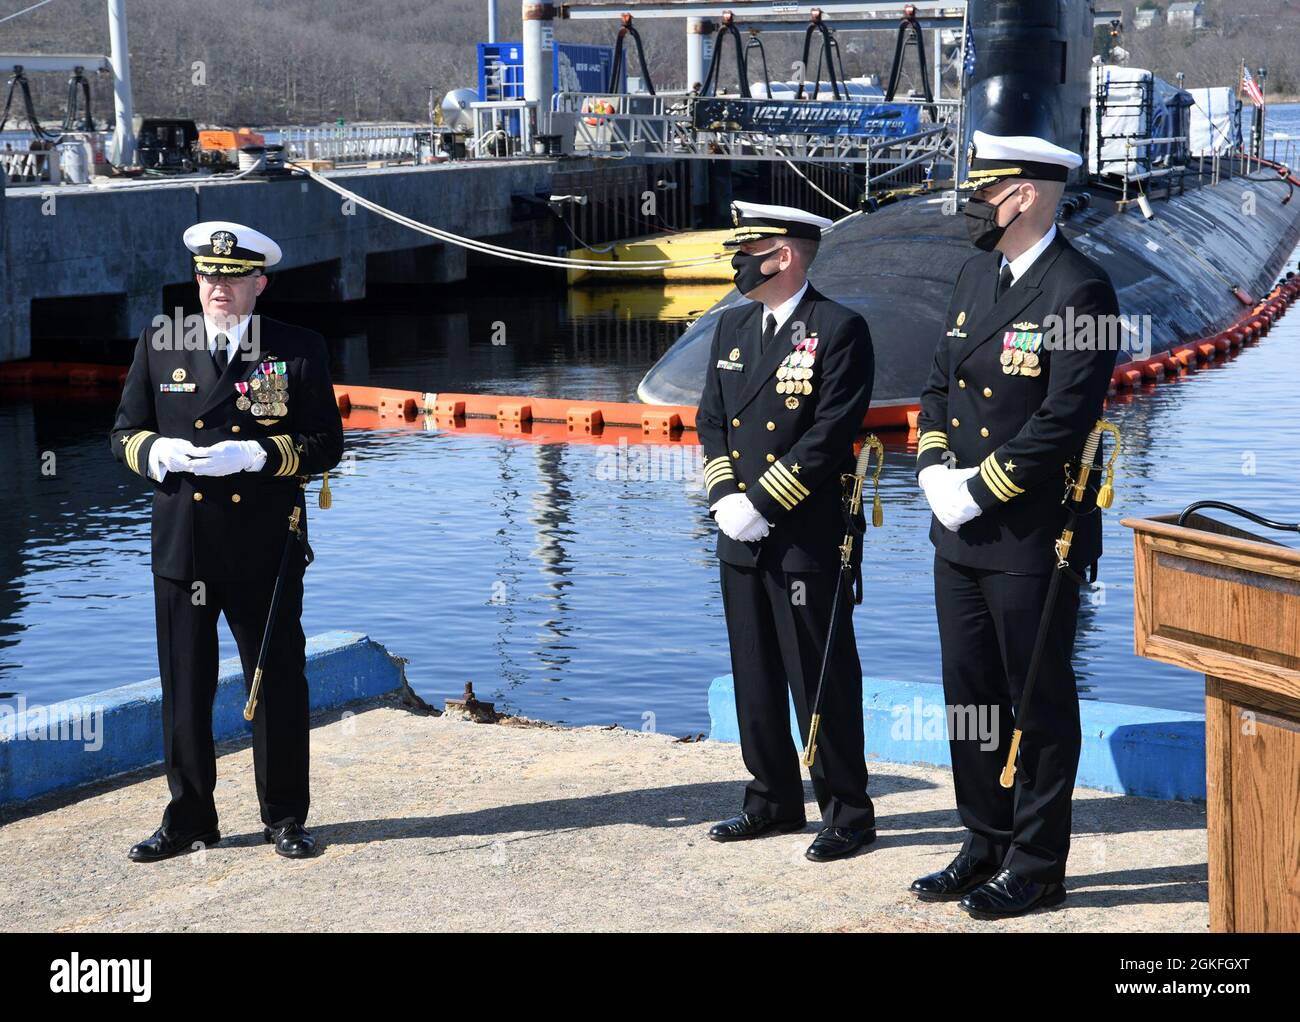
point(569, 582)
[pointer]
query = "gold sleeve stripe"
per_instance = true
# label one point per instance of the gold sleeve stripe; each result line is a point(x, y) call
point(132, 450)
point(779, 488)
point(288, 455)
point(777, 494)
point(718, 470)
point(791, 481)
point(931, 439)
point(711, 481)
point(996, 480)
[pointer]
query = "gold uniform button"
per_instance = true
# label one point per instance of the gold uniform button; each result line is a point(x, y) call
point(771, 425)
point(198, 423)
point(735, 422)
point(956, 422)
point(988, 391)
point(962, 384)
point(984, 431)
point(735, 454)
point(234, 498)
point(197, 495)
point(234, 429)
point(740, 486)
point(771, 458)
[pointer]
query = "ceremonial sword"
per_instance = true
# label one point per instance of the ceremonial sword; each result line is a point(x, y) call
point(1074, 495)
point(852, 505)
point(294, 537)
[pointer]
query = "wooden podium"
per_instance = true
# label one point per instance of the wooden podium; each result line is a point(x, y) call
point(1219, 600)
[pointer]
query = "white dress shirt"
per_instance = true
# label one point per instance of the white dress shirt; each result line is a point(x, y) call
point(1021, 263)
point(786, 309)
point(234, 332)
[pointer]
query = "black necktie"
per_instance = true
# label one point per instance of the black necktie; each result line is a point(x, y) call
point(1005, 280)
point(220, 356)
point(769, 331)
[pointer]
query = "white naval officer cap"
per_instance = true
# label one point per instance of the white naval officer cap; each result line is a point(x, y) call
point(229, 249)
point(993, 158)
point(754, 221)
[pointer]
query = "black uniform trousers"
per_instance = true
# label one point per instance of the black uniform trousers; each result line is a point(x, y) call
point(187, 658)
point(777, 624)
point(987, 624)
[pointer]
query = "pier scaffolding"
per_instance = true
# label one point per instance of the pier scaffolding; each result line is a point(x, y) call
point(836, 124)
point(117, 63)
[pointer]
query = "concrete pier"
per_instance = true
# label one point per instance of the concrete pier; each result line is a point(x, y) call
point(431, 823)
point(100, 256)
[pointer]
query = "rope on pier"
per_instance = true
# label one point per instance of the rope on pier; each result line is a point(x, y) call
point(518, 255)
point(500, 251)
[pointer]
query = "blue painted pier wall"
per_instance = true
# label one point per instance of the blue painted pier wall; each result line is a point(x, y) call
point(63, 745)
point(1133, 750)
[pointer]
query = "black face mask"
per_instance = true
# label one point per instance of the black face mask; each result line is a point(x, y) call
point(748, 275)
point(982, 223)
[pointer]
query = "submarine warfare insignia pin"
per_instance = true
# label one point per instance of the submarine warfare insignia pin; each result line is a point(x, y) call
point(1020, 350)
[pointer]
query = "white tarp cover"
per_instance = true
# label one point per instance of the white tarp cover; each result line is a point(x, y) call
point(1123, 116)
point(1213, 124)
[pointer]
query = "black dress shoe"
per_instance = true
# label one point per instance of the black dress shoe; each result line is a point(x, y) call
point(160, 845)
point(293, 841)
point(959, 877)
point(1009, 894)
point(837, 842)
point(747, 825)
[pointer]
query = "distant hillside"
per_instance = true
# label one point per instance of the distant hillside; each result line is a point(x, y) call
point(260, 62)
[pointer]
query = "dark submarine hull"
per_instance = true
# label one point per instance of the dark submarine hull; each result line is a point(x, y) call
point(897, 266)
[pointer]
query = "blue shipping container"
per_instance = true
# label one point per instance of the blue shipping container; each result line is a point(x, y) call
point(575, 67)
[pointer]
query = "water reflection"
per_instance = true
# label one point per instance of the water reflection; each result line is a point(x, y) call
point(578, 582)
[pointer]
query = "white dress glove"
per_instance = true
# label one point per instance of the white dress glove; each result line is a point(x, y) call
point(171, 454)
point(738, 519)
point(228, 457)
point(949, 498)
point(963, 507)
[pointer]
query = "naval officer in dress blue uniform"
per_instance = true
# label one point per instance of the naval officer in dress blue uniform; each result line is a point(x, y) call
point(226, 420)
point(787, 387)
point(1013, 393)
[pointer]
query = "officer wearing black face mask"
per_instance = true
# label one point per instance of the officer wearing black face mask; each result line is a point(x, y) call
point(788, 385)
point(1018, 382)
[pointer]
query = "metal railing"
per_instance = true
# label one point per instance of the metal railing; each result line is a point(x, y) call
point(351, 143)
point(664, 126)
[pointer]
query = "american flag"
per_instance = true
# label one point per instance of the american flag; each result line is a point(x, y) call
point(968, 48)
point(1251, 87)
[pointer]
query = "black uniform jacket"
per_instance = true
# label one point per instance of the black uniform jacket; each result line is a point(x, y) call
point(227, 527)
point(786, 451)
point(1023, 428)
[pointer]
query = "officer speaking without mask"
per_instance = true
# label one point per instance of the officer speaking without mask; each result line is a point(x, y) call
point(226, 422)
point(788, 384)
point(1013, 393)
